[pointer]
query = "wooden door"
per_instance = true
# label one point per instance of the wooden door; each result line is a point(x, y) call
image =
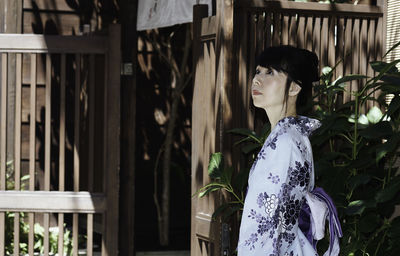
point(66, 144)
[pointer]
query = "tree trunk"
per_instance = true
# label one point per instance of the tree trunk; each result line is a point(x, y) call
point(182, 81)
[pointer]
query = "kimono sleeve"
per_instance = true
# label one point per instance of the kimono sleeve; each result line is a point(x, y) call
point(276, 192)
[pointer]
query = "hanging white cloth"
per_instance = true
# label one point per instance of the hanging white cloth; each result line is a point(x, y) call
point(164, 13)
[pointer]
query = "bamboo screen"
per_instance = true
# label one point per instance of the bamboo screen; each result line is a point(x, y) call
point(52, 175)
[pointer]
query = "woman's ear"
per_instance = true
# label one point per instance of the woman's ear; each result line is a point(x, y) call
point(294, 89)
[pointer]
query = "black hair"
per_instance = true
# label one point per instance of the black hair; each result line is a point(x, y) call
point(300, 65)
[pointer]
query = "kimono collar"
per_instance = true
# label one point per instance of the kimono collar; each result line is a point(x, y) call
point(303, 124)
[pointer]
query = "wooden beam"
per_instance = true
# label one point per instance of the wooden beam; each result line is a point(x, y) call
point(52, 44)
point(52, 201)
point(312, 8)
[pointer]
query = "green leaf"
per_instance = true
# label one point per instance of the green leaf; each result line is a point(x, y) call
point(209, 190)
point(227, 175)
point(231, 210)
point(389, 146)
point(393, 106)
point(377, 131)
point(219, 210)
point(360, 179)
point(369, 222)
point(394, 230)
point(239, 182)
point(216, 165)
point(391, 49)
point(349, 78)
point(393, 79)
point(246, 132)
point(389, 192)
point(358, 206)
point(250, 148)
point(389, 68)
point(379, 66)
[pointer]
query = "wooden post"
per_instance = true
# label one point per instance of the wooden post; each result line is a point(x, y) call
point(128, 127)
point(112, 138)
point(226, 82)
point(11, 22)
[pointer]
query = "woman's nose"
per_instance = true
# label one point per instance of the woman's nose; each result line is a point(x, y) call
point(255, 81)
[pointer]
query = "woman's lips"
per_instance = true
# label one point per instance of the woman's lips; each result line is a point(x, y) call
point(255, 92)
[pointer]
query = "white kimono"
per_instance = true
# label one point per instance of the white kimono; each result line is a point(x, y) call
point(279, 179)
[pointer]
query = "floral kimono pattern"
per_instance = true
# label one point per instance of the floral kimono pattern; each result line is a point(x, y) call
point(281, 175)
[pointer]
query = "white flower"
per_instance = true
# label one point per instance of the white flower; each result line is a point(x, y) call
point(271, 205)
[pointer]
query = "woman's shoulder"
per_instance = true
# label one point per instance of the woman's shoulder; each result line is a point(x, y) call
point(297, 125)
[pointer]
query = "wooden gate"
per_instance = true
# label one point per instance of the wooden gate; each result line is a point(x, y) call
point(63, 172)
point(225, 46)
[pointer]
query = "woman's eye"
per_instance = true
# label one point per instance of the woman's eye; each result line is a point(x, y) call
point(258, 71)
point(268, 72)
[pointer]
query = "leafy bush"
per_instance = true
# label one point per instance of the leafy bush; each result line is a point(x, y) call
point(355, 156)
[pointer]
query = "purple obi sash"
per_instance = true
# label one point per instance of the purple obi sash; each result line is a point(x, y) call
point(318, 207)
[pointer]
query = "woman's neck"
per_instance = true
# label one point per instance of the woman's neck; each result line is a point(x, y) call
point(277, 113)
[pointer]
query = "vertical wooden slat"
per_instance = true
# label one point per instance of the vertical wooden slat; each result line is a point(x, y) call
point(370, 53)
point(300, 31)
point(380, 43)
point(331, 42)
point(75, 233)
point(363, 55)
point(317, 39)
point(324, 41)
point(277, 29)
point(89, 235)
point(268, 32)
point(252, 42)
point(3, 142)
point(47, 156)
point(285, 29)
point(61, 182)
point(32, 147)
point(293, 31)
point(308, 33)
point(355, 52)
point(347, 56)
point(17, 145)
point(92, 95)
point(75, 218)
point(3, 136)
point(340, 46)
point(244, 76)
point(77, 120)
point(104, 251)
point(260, 34)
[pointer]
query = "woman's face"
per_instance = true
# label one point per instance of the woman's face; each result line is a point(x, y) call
point(268, 88)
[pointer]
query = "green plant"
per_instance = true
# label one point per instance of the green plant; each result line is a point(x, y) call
point(355, 153)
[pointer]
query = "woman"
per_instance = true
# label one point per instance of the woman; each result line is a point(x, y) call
point(282, 175)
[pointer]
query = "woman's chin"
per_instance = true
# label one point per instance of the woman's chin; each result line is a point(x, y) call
point(257, 104)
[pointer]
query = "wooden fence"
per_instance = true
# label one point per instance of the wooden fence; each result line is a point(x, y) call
point(224, 53)
point(65, 140)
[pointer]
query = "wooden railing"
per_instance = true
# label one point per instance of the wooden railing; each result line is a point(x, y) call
point(65, 109)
